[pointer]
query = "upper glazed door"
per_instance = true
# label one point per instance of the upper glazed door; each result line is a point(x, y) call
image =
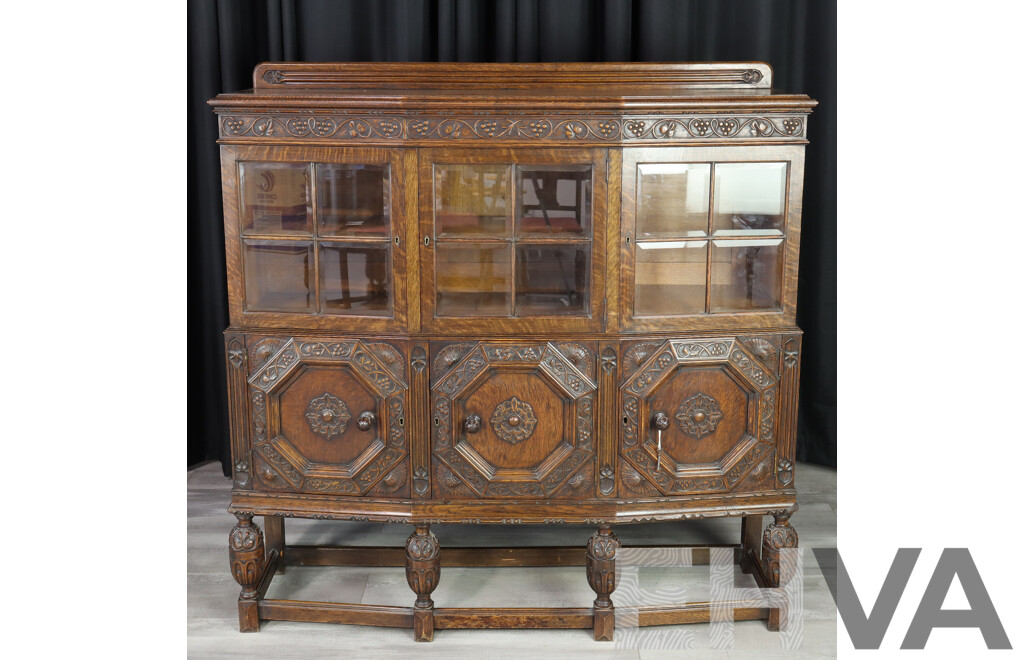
point(316, 237)
point(512, 239)
point(710, 237)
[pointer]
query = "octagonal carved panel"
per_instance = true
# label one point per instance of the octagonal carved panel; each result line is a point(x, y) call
point(312, 459)
point(531, 396)
point(677, 367)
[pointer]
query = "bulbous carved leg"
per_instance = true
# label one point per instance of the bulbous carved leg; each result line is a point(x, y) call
point(422, 570)
point(777, 536)
point(245, 549)
point(601, 551)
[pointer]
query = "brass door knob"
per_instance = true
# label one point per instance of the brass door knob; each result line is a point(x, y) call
point(472, 423)
point(366, 420)
point(660, 421)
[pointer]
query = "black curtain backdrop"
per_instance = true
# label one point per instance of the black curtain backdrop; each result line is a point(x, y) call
point(226, 39)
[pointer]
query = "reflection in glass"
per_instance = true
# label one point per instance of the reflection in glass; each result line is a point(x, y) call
point(552, 279)
point(471, 200)
point(352, 200)
point(473, 279)
point(672, 199)
point(554, 200)
point(277, 276)
point(749, 197)
point(670, 278)
point(354, 279)
point(275, 198)
point(745, 275)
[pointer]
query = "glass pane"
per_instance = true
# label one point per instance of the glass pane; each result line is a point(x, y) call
point(473, 279)
point(277, 276)
point(552, 279)
point(355, 279)
point(554, 199)
point(672, 200)
point(749, 197)
point(352, 200)
point(471, 200)
point(275, 198)
point(745, 275)
point(670, 278)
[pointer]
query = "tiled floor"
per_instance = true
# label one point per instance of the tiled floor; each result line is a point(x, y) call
point(212, 593)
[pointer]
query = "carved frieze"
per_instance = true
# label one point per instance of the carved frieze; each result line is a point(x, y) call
point(496, 128)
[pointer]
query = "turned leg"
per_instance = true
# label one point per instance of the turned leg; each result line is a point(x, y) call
point(245, 549)
point(422, 570)
point(777, 536)
point(274, 538)
point(750, 535)
point(601, 550)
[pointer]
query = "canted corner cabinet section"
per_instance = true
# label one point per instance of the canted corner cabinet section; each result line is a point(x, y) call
point(510, 294)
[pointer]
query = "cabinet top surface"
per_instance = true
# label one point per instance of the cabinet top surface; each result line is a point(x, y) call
point(606, 86)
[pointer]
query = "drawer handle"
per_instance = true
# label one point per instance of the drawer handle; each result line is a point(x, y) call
point(366, 420)
point(472, 423)
point(660, 421)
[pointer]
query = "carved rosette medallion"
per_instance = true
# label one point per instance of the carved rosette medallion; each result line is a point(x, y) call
point(328, 416)
point(699, 416)
point(513, 420)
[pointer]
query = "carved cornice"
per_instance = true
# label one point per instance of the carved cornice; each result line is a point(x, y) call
point(345, 127)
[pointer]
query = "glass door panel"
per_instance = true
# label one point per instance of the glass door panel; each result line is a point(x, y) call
point(750, 198)
point(745, 275)
point(531, 257)
point(355, 278)
point(472, 201)
point(554, 200)
point(334, 257)
point(672, 200)
point(277, 276)
point(275, 198)
point(710, 227)
point(670, 278)
point(353, 200)
point(473, 279)
point(552, 279)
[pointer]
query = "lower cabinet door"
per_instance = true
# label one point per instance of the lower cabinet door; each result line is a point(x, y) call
point(698, 417)
point(513, 420)
point(329, 416)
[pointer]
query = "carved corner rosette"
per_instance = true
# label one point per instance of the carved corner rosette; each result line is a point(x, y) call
point(513, 420)
point(327, 415)
point(699, 415)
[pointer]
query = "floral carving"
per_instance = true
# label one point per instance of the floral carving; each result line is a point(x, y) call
point(513, 420)
point(328, 415)
point(785, 471)
point(582, 128)
point(699, 416)
point(273, 76)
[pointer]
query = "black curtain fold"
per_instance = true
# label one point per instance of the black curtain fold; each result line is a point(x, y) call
point(227, 38)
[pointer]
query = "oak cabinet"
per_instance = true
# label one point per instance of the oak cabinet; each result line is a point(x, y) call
point(509, 294)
